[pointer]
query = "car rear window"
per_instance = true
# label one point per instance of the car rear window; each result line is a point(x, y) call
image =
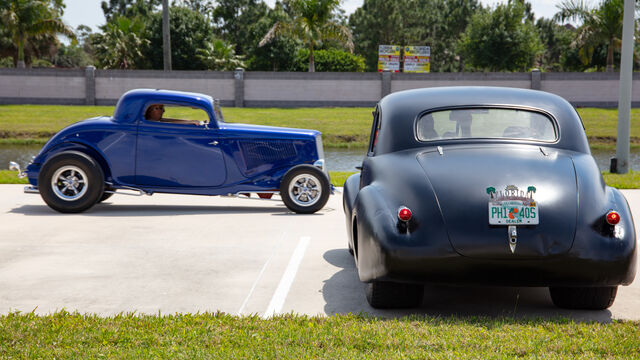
point(485, 123)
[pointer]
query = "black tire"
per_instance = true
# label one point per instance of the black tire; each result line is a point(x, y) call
point(589, 298)
point(390, 295)
point(307, 197)
point(83, 187)
point(105, 196)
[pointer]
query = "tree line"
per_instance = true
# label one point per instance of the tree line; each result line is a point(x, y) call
point(315, 35)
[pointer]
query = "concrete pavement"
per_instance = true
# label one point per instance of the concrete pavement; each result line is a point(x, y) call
point(175, 253)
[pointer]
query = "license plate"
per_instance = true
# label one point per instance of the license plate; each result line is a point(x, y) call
point(513, 212)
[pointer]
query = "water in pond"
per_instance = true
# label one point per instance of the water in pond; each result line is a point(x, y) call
point(336, 159)
point(19, 153)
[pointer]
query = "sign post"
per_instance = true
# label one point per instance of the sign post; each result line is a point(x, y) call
point(624, 93)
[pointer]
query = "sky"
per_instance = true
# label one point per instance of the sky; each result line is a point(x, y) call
point(88, 12)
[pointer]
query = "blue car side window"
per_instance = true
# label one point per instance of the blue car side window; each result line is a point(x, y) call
point(184, 115)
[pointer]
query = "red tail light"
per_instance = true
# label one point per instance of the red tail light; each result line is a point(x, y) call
point(613, 218)
point(404, 214)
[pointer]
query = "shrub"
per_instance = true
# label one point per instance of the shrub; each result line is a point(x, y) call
point(6, 62)
point(330, 60)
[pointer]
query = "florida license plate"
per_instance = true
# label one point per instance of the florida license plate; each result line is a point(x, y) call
point(513, 212)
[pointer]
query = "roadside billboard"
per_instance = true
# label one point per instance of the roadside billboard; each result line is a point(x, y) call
point(389, 58)
point(417, 59)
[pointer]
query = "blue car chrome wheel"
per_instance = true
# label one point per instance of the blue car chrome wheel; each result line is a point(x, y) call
point(305, 190)
point(69, 183)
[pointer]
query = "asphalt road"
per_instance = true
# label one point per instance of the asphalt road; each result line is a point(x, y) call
point(179, 254)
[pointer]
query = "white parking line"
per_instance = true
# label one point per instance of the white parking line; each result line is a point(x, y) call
point(264, 267)
point(277, 301)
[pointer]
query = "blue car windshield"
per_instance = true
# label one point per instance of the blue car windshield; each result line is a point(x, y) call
point(485, 123)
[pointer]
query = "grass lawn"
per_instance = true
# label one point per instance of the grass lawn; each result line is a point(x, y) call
point(11, 177)
point(620, 181)
point(64, 335)
point(341, 127)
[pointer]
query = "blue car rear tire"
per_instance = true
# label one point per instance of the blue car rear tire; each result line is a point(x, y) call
point(71, 182)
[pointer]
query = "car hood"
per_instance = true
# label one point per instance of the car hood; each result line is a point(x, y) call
point(272, 130)
point(463, 176)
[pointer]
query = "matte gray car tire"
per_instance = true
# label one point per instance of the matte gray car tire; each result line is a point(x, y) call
point(390, 295)
point(305, 189)
point(71, 182)
point(588, 298)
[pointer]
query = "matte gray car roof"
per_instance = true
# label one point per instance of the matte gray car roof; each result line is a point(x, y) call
point(400, 110)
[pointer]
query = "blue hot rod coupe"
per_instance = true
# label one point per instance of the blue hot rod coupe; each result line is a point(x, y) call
point(160, 141)
point(484, 185)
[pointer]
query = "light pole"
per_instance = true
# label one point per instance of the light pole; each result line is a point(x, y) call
point(166, 35)
point(624, 92)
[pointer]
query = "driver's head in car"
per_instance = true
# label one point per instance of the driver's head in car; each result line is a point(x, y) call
point(154, 112)
point(463, 121)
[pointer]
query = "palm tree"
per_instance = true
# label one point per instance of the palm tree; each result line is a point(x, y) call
point(602, 24)
point(121, 43)
point(25, 19)
point(219, 56)
point(311, 23)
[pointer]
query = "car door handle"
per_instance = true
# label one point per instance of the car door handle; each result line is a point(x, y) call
point(214, 143)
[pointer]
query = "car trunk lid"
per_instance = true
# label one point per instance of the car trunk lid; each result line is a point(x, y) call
point(463, 179)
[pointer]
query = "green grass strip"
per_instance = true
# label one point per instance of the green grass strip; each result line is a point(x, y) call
point(630, 180)
point(11, 177)
point(192, 336)
point(341, 127)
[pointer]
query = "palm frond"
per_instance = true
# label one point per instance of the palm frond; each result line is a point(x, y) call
point(271, 34)
point(339, 32)
point(572, 10)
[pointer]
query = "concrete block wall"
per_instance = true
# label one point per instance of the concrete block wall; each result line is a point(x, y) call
point(287, 89)
point(42, 86)
point(311, 89)
point(111, 84)
point(589, 89)
point(406, 81)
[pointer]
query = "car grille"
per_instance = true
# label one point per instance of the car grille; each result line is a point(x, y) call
point(258, 153)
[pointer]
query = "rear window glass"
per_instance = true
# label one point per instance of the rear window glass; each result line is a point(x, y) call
point(485, 123)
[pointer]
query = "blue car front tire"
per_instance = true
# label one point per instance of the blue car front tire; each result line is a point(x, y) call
point(305, 189)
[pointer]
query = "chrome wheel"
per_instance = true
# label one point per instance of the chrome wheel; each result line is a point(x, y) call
point(69, 183)
point(305, 190)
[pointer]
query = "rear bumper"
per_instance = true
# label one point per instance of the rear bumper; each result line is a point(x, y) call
point(593, 261)
point(559, 271)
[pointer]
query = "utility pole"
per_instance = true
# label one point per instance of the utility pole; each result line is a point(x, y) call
point(166, 36)
point(624, 92)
